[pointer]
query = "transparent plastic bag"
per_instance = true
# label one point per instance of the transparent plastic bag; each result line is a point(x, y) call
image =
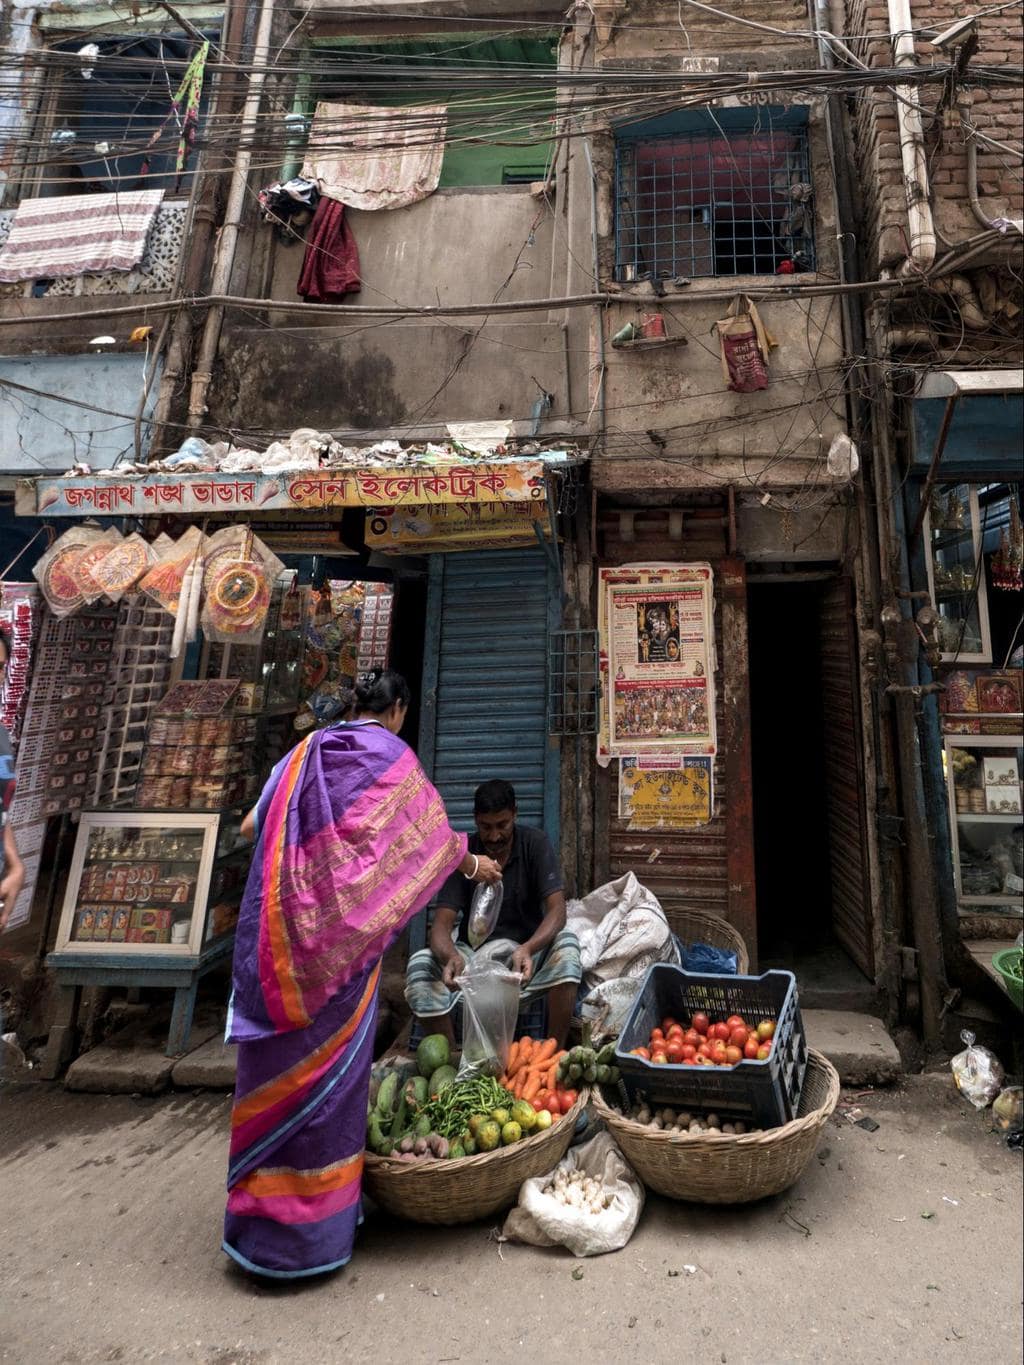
point(490, 1009)
point(483, 912)
point(977, 1072)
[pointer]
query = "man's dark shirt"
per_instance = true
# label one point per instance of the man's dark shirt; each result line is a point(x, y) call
point(531, 874)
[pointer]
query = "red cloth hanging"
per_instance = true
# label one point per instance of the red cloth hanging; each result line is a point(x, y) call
point(330, 267)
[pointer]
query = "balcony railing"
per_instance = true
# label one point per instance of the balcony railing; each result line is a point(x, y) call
point(154, 274)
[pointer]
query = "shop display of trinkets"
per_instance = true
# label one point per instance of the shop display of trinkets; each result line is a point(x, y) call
point(19, 614)
point(198, 752)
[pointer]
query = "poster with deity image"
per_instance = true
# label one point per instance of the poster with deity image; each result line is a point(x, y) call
point(657, 660)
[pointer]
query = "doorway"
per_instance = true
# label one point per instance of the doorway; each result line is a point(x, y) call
point(813, 905)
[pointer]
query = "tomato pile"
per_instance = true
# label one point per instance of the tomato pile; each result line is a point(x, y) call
point(705, 1043)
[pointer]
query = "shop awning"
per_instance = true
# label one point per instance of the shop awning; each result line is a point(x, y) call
point(969, 424)
point(511, 481)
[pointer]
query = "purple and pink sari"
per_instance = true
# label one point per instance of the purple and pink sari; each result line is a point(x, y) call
point(352, 840)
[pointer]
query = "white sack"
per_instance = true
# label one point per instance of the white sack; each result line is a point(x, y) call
point(622, 931)
point(541, 1220)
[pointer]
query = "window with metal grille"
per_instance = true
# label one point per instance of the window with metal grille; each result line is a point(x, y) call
point(723, 202)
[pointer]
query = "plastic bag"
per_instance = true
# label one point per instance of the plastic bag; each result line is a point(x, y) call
point(977, 1072)
point(483, 912)
point(490, 1009)
point(711, 961)
point(541, 1219)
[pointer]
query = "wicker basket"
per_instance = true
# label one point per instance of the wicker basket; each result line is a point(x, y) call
point(471, 1187)
point(697, 926)
point(729, 1170)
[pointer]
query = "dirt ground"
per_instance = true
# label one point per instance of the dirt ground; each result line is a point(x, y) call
point(110, 1210)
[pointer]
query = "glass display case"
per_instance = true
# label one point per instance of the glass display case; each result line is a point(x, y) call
point(152, 883)
point(271, 671)
point(956, 575)
point(986, 816)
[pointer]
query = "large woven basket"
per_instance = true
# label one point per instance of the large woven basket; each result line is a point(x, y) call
point(698, 926)
point(713, 1169)
point(472, 1186)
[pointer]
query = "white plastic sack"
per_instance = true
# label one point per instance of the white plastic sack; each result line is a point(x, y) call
point(622, 931)
point(541, 1220)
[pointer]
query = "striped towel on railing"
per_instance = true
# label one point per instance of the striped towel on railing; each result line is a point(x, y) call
point(79, 233)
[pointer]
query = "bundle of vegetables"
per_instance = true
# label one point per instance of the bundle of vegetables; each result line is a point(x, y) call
point(531, 1074)
point(589, 1066)
point(577, 1190)
point(398, 1115)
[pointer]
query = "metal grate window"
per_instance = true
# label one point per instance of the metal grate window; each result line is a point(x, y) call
point(703, 204)
point(573, 682)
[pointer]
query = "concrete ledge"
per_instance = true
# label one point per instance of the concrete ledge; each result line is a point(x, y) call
point(132, 1062)
point(209, 1067)
point(857, 1045)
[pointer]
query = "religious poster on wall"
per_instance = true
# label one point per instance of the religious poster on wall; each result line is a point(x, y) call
point(657, 660)
point(657, 791)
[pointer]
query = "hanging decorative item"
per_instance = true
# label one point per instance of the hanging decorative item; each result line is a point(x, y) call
point(57, 573)
point(121, 567)
point(1008, 560)
point(745, 344)
point(165, 579)
point(237, 596)
point(90, 557)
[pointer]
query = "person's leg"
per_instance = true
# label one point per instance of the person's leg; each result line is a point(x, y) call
point(430, 1000)
point(561, 1000)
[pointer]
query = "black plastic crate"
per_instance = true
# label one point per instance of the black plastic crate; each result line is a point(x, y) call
point(766, 1093)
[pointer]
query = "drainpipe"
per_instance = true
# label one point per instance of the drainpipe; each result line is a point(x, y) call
point(915, 162)
point(974, 199)
point(225, 259)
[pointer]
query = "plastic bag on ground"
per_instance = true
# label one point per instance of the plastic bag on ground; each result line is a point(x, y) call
point(540, 1219)
point(490, 1009)
point(977, 1072)
point(1008, 1109)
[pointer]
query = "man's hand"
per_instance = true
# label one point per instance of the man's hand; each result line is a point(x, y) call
point(522, 962)
point(453, 968)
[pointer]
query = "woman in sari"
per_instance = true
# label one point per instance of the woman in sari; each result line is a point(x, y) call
point(351, 841)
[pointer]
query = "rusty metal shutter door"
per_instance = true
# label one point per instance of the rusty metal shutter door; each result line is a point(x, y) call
point(844, 777)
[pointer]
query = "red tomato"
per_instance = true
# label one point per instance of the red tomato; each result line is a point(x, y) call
point(659, 1058)
point(733, 1055)
point(689, 1052)
point(701, 1023)
point(692, 1037)
point(667, 1023)
point(704, 1060)
point(766, 1030)
point(568, 1098)
point(553, 1103)
point(704, 1050)
point(718, 1053)
point(764, 1052)
point(676, 1031)
point(750, 1049)
point(641, 1052)
point(539, 1103)
point(736, 1021)
point(657, 1036)
point(674, 1052)
point(724, 1032)
point(737, 1037)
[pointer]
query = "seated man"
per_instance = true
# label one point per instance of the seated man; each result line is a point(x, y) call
point(530, 934)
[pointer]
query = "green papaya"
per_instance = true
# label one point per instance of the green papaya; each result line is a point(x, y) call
point(442, 1077)
point(374, 1133)
point(432, 1053)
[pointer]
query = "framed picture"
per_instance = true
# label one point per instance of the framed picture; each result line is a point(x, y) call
point(998, 693)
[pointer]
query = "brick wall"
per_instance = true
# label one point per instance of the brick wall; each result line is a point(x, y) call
point(996, 112)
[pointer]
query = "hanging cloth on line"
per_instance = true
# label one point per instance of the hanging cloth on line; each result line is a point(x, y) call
point(745, 344)
point(189, 93)
point(330, 267)
point(374, 158)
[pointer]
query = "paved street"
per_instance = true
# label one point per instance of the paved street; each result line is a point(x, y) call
point(111, 1206)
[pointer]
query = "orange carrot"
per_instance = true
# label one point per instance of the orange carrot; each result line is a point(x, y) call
point(525, 1048)
point(545, 1052)
point(532, 1085)
point(551, 1076)
point(513, 1053)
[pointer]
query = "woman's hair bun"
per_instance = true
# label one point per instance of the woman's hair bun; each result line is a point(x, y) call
point(378, 691)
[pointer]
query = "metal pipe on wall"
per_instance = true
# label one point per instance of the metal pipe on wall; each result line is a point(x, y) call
point(202, 375)
point(912, 149)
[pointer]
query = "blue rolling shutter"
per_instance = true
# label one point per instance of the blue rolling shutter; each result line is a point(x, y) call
point(485, 681)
